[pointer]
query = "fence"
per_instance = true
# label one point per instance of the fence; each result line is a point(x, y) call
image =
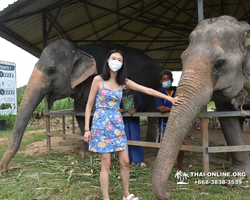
point(204, 148)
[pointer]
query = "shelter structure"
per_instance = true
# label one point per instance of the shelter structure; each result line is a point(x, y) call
point(159, 28)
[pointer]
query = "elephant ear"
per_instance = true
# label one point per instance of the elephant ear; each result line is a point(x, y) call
point(246, 48)
point(84, 66)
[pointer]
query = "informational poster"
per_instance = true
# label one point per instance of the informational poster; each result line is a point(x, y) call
point(8, 98)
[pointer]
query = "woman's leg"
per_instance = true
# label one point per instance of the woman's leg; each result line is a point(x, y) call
point(104, 176)
point(128, 136)
point(124, 161)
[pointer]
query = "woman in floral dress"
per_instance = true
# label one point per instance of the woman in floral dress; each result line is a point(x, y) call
point(107, 132)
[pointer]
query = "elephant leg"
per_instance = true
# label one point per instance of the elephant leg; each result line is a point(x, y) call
point(151, 131)
point(78, 107)
point(232, 129)
point(81, 123)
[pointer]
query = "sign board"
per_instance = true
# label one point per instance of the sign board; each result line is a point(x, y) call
point(8, 97)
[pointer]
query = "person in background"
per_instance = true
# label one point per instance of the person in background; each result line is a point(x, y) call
point(164, 106)
point(107, 133)
point(131, 103)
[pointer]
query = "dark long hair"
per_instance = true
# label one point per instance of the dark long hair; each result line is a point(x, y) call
point(121, 74)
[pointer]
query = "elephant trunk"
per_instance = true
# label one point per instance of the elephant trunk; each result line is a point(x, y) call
point(197, 91)
point(34, 93)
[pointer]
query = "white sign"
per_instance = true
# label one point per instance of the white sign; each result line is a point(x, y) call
point(8, 97)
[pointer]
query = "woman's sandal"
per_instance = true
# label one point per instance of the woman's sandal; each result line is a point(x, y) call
point(129, 197)
point(143, 164)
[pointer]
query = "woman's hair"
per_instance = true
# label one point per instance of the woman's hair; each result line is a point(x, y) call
point(121, 74)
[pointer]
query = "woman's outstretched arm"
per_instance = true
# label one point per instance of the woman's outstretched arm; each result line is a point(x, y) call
point(134, 86)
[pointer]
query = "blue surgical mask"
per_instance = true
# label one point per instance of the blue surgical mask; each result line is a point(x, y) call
point(167, 84)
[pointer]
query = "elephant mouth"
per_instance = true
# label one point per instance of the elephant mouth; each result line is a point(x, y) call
point(222, 94)
point(50, 99)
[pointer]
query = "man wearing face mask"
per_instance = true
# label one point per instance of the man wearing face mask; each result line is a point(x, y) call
point(164, 106)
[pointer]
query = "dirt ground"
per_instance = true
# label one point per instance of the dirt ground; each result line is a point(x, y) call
point(217, 161)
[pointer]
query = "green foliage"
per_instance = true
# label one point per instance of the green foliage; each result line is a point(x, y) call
point(62, 104)
point(210, 105)
point(20, 92)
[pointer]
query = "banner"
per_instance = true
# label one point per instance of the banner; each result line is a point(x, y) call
point(8, 97)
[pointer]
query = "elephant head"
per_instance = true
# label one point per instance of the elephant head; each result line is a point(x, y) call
point(216, 66)
point(56, 75)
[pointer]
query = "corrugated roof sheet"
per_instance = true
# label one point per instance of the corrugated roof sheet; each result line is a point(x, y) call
point(159, 28)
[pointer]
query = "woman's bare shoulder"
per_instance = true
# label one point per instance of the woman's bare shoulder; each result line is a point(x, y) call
point(97, 78)
point(97, 81)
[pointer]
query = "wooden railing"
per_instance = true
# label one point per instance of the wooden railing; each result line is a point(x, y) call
point(204, 148)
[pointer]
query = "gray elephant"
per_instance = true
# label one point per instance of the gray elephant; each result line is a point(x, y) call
point(65, 70)
point(216, 65)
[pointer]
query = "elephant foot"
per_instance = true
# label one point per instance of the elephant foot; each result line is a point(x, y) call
point(82, 152)
point(3, 169)
point(241, 170)
point(84, 149)
point(166, 195)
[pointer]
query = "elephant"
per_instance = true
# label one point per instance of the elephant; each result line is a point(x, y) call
point(215, 66)
point(67, 70)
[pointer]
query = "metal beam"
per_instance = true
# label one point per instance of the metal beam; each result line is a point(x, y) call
point(20, 39)
point(18, 8)
point(134, 41)
point(210, 8)
point(229, 4)
point(59, 29)
point(100, 39)
point(119, 27)
point(136, 35)
point(180, 9)
point(82, 24)
point(91, 21)
point(166, 28)
point(166, 47)
point(171, 22)
point(200, 10)
point(54, 6)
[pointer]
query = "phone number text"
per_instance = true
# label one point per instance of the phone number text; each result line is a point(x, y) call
point(218, 182)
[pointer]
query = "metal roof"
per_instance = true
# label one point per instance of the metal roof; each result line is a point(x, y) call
point(159, 28)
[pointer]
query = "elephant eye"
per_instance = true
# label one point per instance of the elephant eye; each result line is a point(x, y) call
point(219, 64)
point(51, 70)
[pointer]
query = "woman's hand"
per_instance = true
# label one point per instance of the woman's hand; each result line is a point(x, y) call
point(177, 100)
point(87, 136)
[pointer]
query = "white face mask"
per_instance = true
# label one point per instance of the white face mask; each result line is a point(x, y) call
point(115, 65)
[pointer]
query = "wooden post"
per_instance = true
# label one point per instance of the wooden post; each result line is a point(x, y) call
point(204, 133)
point(205, 155)
point(63, 125)
point(73, 124)
point(47, 121)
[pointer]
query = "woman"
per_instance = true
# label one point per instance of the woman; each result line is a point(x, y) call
point(107, 132)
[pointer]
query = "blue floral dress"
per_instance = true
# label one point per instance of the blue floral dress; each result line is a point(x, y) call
point(107, 131)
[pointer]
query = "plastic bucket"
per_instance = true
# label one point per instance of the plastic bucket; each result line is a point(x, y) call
point(2, 124)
